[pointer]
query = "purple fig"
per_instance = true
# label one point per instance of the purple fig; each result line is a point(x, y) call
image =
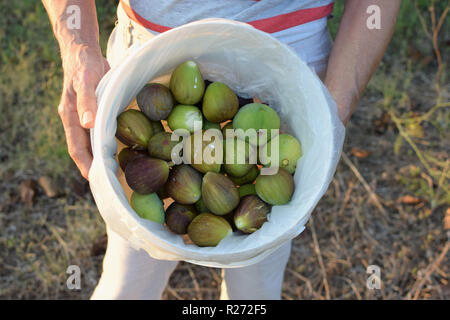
point(179, 216)
point(146, 175)
point(127, 154)
point(155, 101)
point(251, 214)
point(184, 184)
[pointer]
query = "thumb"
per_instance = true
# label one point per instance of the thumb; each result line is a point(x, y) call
point(84, 87)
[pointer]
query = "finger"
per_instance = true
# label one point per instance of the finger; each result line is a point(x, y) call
point(78, 143)
point(85, 84)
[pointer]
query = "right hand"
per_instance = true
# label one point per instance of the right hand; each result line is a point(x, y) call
point(84, 67)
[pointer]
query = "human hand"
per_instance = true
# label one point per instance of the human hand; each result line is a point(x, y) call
point(84, 67)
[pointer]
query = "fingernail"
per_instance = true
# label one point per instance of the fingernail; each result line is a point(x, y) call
point(87, 117)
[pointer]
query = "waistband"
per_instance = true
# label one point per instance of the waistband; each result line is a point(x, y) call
point(270, 25)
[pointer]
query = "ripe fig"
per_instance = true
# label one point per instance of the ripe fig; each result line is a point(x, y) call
point(184, 184)
point(184, 117)
point(246, 190)
point(127, 154)
point(179, 216)
point(275, 189)
point(160, 146)
point(134, 129)
point(239, 157)
point(187, 84)
point(155, 101)
point(248, 178)
point(251, 214)
point(259, 117)
point(205, 156)
point(146, 175)
point(220, 103)
point(289, 151)
point(148, 206)
point(162, 192)
point(219, 193)
point(207, 230)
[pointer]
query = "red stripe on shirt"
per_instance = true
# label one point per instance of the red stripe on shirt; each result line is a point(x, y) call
point(269, 25)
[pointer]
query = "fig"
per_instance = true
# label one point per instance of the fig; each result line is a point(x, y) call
point(187, 84)
point(244, 101)
point(148, 206)
point(228, 126)
point(184, 184)
point(202, 156)
point(179, 216)
point(246, 190)
point(200, 206)
point(219, 193)
point(155, 101)
point(220, 103)
point(160, 146)
point(210, 125)
point(184, 117)
point(156, 127)
point(207, 230)
point(134, 129)
point(248, 178)
point(237, 157)
point(275, 189)
point(146, 175)
point(162, 192)
point(127, 154)
point(259, 117)
point(289, 151)
point(251, 214)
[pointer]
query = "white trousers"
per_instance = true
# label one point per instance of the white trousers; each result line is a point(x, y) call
point(133, 274)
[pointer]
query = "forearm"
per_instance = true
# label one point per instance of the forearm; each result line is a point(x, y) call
point(86, 35)
point(357, 51)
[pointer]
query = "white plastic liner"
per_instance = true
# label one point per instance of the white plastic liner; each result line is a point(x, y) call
point(252, 63)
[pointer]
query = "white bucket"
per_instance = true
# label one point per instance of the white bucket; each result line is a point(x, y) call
point(252, 63)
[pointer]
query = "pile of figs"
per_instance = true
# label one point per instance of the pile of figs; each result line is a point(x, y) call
point(208, 200)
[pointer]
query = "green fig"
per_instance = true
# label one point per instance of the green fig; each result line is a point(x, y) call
point(179, 216)
point(275, 189)
point(259, 117)
point(248, 178)
point(160, 146)
point(219, 193)
point(187, 84)
point(156, 127)
point(134, 129)
point(127, 154)
point(184, 117)
point(251, 214)
point(184, 184)
point(148, 206)
point(210, 125)
point(155, 101)
point(239, 157)
point(220, 103)
point(229, 127)
point(246, 190)
point(207, 230)
point(203, 156)
point(200, 206)
point(289, 151)
point(146, 175)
